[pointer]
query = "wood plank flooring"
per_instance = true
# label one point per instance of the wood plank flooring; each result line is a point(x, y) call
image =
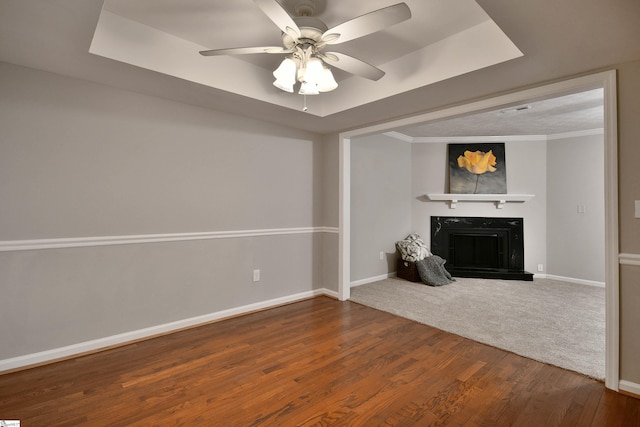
point(316, 362)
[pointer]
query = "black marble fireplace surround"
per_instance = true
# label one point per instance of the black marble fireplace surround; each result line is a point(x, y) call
point(491, 248)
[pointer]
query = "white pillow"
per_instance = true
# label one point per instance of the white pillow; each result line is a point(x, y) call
point(412, 248)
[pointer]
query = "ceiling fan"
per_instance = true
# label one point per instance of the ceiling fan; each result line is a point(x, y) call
point(304, 37)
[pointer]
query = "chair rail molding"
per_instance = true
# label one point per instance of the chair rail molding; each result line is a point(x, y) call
point(629, 259)
point(74, 242)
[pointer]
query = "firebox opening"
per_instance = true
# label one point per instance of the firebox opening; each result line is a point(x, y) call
point(480, 247)
point(476, 251)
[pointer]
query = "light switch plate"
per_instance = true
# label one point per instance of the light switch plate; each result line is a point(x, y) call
point(637, 208)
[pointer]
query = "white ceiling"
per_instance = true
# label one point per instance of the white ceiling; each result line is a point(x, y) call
point(558, 40)
point(583, 111)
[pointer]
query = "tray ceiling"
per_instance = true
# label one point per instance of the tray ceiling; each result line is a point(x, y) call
point(440, 41)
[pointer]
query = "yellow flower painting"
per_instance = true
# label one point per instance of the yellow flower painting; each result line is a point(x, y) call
point(477, 168)
point(478, 162)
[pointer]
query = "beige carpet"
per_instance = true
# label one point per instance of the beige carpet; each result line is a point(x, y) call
point(555, 322)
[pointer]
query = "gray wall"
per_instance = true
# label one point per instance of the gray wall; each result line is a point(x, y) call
point(380, 203)
point(629, 178)
point(575, 176)
point(78, 159)
point(331, 211)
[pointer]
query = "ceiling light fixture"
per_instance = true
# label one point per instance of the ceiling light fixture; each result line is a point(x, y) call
point(306, 67)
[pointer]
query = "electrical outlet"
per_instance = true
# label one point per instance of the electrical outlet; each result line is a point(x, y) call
point(256, 275)
point(381, 256)
point(540, 267)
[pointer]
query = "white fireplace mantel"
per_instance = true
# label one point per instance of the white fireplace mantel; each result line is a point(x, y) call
point(499, 199)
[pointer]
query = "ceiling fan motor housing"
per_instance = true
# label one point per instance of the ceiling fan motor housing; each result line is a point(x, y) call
point(305, 7)
point(311, 30)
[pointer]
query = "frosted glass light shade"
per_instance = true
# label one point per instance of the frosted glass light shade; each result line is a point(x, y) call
point(314, 71)
point(285, 75)
point(286, 71)
point(283, 86)
point(327, 83)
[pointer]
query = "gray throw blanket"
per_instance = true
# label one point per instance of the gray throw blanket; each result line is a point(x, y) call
point(432, 271)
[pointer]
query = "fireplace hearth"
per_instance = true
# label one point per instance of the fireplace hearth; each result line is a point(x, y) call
point(491, 248)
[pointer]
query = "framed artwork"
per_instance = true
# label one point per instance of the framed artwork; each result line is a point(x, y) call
point(477, 168)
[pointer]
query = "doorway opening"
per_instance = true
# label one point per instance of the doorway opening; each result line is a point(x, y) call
point(606, 81)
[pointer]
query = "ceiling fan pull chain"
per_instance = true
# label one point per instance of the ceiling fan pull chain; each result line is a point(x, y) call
point(304, 108)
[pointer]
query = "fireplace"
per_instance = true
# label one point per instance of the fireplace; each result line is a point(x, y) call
point(490, 248)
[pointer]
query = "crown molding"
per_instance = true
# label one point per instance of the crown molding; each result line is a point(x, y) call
point(491, 138)
point(399, 136)
point(476, 139)
point(574, 134)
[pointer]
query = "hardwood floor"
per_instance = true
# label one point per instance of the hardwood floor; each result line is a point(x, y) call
point(315, 362)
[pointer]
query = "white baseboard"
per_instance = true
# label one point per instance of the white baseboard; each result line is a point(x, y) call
point(128, 337)
point(574, 280)
point(329, 293)
point(629, 387)
point(536, 276)
point(371, 279)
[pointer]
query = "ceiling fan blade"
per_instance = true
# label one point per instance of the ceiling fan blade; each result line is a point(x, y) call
point(366, 24)
point(244, 50)
point(354, 66)
point(279, 16)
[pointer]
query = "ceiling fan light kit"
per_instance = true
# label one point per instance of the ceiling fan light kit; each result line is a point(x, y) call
point(305, 36)
point(308, 69)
